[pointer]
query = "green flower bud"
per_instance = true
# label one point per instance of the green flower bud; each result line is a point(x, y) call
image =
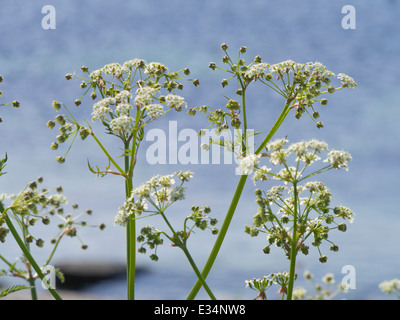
point(323, 259)
point(60, 119)
point(142, 250)
point(68, 76)
point(212, 65)
point(331, 89)
point(267, 250)
point(191, 112)
point(213, 221)
point(225, 59)
point(56, 105)
point(15, 104)
point(40, 243)
point(60, 138)
point(84, 69)
point(257, 59)
point(29, 238)
point(60, 159)
point(334, 248)
point(224, 46)
point(50, 124)
point(342, 227)
point(102, 226)
point(45, 220)
point(324, 102)
point(235, 122)
point(224, 83)
point(84, 246)
point(269, 76)
point(243, 49)
point(196, 82)
point(77, 102)
point(93, 95)
point(214, 230)
point(154, 257)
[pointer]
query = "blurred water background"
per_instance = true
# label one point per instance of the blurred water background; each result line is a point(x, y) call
point(178, 33)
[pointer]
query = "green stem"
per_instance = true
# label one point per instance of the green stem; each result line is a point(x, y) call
point(293, 249)
point(232, 207)
point(27, 254)
point(183, 246)
point(33, 288)
point(130, 236)
point(198, 274)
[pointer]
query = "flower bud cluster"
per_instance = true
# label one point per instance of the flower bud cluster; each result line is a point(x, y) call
point(308, 204)
point(301, 84)
point(262, 285)
point(33, 205)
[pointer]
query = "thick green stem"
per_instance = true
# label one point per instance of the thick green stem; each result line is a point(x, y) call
point(232, 207)
point(183, 246)
point(130, 236)
point(198, 274)
point(293, 249)
point(27, 254)
point(33, 288)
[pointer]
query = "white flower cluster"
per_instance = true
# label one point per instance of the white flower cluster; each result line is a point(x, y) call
point(390, 286)
point(175, 101)
point(316, 68)
point(248, 164)
point(145, 95)
point(120, 119)
point(115, 69)
point(257, 70)
point(347, 81)
point(338, 159)
point(159, 191)
point(305, 151)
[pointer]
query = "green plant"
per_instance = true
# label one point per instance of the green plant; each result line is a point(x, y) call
point(302, 87)
point(132, 96)
point(30, 208)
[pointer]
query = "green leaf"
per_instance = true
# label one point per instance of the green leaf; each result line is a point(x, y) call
point(12, 289)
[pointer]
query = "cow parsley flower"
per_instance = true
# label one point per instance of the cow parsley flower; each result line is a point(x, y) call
point(257, 70)
point(114, 69)
point(121, 124)
point(261, 174)
point(338, 159)
point(154, 111)
point(347, 81)
point(175, 101)
point(247, 164)
point(319, 70)
point(145, 95)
